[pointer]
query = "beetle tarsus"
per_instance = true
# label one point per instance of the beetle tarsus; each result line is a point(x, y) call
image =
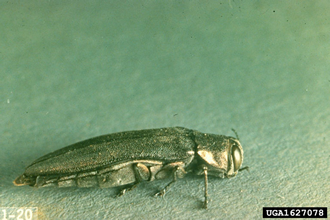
point(163, 191)
point(245, 168)
point(123, 191)
point(205, 204)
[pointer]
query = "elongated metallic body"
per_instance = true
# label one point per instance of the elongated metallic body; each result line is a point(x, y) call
point(127, 158)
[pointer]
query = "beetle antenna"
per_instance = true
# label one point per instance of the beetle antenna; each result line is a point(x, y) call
point(235, 133)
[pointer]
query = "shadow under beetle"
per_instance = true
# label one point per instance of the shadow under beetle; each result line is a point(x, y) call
point(127, 158)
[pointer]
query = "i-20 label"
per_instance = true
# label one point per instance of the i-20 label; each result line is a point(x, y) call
point(19, 213)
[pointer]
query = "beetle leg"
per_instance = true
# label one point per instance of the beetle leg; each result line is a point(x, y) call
point(130, 188)
point(163, 191)
point(141, 173)
point(234, 174)
point(206, 195)
point(245, 168)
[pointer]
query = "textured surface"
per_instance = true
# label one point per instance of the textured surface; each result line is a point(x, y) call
point(164, 145)
point(72, 70)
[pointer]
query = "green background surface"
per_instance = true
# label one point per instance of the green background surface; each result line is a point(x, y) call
point(71, 70)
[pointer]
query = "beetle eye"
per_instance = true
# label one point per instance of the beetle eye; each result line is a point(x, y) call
point(237, 157)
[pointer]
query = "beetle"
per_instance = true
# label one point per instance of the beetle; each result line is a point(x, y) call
point(127, 158)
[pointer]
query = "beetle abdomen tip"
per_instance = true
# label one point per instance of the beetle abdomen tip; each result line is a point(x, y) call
point(23, 180)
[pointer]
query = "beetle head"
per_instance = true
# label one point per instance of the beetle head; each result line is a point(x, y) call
point(223, 156)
